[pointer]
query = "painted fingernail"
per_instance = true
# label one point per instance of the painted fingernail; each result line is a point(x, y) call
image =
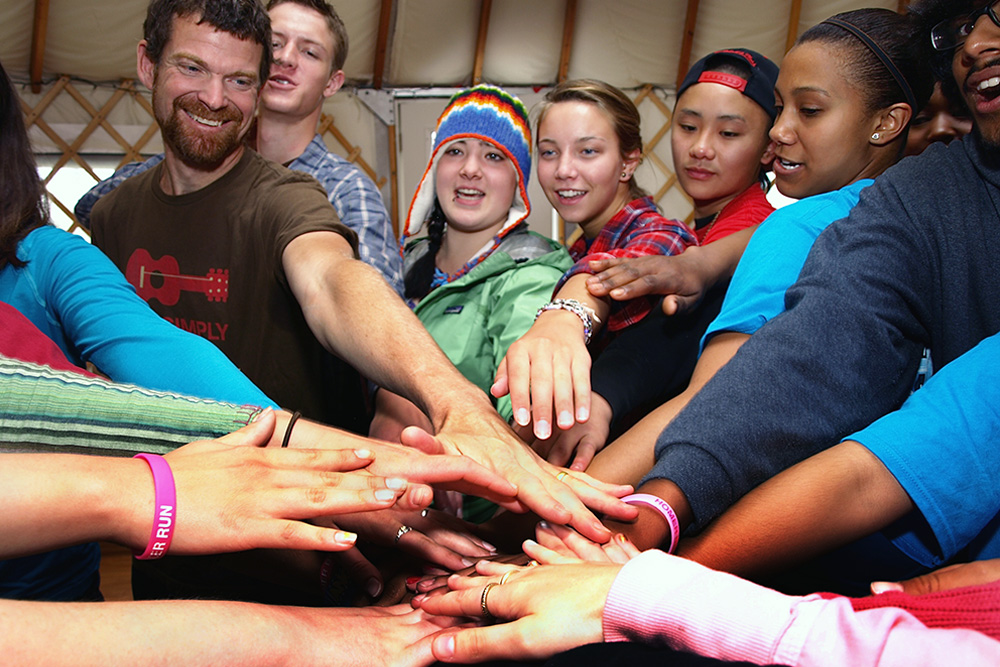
point(487, 546)
point(879, 587)
point(582, 414)
point(565, 419)
point(522, 416)
point(542, 429)
point(374, 587)
point(395, 483)
point(527, 544)
point(344, 537)
point(382, 495)
point(363, 453)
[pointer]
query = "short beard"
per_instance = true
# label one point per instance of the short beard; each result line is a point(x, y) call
point(194, 149)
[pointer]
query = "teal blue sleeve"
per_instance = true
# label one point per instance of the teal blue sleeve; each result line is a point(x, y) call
point(773, 260)
point(943, 447)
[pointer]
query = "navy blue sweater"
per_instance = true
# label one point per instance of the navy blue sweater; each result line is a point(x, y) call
point(917, 263)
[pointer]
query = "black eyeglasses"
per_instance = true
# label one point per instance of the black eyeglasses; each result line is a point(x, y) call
point(951, 33)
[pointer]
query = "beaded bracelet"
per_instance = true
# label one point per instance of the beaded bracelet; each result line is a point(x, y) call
point(585, 313)
point(164, 514)
point(664, 508)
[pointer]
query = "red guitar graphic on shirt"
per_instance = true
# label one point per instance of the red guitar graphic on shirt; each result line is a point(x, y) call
point(162, 280)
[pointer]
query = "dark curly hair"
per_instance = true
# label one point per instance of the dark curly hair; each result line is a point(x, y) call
point(244, 19)
point(23, 203)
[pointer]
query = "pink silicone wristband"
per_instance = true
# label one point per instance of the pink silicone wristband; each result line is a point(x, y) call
point(164, 514)
point(664, 508)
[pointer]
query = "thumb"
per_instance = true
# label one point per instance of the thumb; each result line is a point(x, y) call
point(499, 388)
point(254, 434)
point(421, 440)
point(675, 304)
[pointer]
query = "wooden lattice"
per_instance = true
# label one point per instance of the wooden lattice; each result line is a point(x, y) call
point(130, 152)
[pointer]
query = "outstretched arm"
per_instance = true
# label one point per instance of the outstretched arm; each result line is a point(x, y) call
point(231, 494)
point(209, 632)
point(355, 314)
point(824, 502)
point(683, 279)
point(936, 454)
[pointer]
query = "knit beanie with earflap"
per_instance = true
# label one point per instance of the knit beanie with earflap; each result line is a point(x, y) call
point(484, 113)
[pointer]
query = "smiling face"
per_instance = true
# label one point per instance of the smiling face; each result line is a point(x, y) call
point(580, 166)
point(475, 185)
point(719, 138)
point(822, 134)
point(204, 91)
point(302, 75)
point(976, 67)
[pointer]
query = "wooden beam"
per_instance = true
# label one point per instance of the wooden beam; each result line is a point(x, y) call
point(382, 43)
point(793, 24)
point(569, 24)
point(393, 182)
point(484, 27)
point(687, 41)
point(38, 32)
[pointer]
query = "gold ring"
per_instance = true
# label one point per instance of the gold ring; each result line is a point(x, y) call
point(482, 603)
point(532, 563)
point(505, 577)
point(562, 475)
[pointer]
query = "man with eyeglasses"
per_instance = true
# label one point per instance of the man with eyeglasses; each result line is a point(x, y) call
point(914, 265)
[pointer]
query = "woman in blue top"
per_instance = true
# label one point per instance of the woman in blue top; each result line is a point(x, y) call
point(845, 95)
point(77, 297)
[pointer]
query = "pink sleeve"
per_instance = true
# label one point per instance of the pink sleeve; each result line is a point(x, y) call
point(662, 599)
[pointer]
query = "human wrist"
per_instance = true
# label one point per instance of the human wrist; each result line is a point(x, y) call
point(587, 316)
point(121, 498)
point(666, 512)
point(164, 523)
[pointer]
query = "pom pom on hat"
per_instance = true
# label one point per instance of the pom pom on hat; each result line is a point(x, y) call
point(486, 113)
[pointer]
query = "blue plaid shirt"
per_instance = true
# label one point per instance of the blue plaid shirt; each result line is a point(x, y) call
point(353, 195)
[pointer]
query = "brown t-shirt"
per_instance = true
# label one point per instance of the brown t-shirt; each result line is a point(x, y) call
point(210, 262)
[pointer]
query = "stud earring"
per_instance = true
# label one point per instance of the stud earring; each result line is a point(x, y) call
point(624, 174)
point(875, 136)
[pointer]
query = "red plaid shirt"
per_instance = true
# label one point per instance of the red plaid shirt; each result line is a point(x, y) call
point(636, 230)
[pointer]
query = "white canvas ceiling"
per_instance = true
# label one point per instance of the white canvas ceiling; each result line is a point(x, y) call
point(434, 42)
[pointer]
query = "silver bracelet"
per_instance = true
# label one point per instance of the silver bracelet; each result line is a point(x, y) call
point(584, 312)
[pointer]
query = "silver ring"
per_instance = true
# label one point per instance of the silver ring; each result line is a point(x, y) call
point(482, 603)
point(424, 513)
point(403, 530)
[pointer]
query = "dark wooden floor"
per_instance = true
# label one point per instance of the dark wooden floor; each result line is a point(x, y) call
point(116, 572)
